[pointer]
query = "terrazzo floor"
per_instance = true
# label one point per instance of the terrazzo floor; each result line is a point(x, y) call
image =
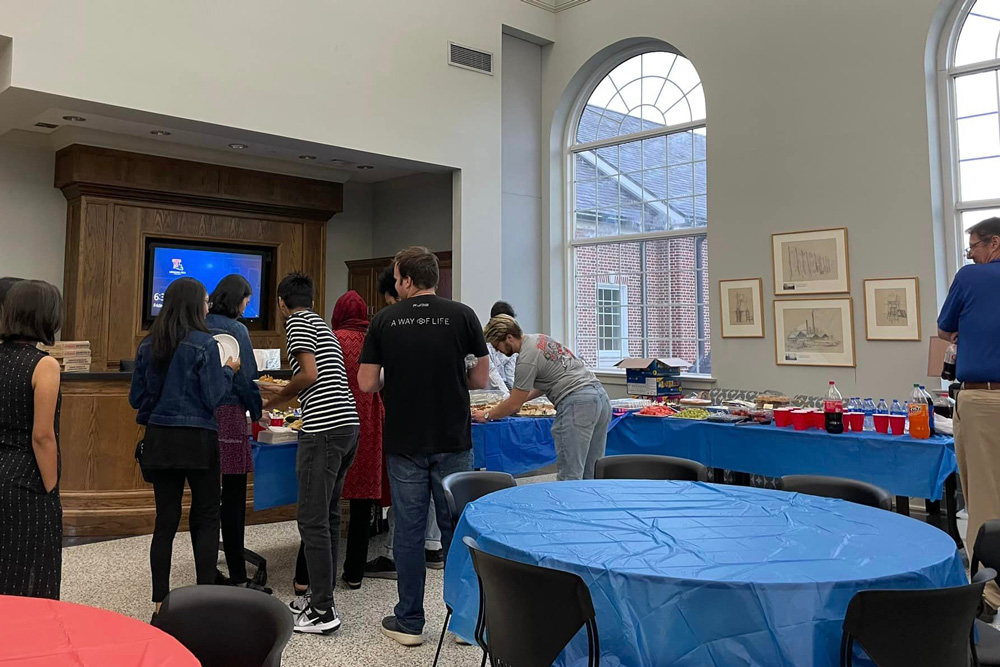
point(114, 575)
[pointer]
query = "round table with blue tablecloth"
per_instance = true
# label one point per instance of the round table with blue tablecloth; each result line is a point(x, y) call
point(688, 574)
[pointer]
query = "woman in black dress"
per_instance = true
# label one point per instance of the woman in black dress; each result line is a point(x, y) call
point(30, 512)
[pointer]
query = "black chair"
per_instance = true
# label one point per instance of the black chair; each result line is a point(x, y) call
point(987, 553)
point(915, 628)
point(227, 626)
point(460, 489)
point(650, 466)
point(850, 490)
point(527, 613)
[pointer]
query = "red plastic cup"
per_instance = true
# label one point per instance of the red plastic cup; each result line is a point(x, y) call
point(882, 423)
point(855, 421)
point(897, 424)
point(782, 417)
point(277, 421)
point(819, 420)
point(257, 428)
point(801, 419)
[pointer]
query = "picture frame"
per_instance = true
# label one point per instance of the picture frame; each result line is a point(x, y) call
point(742, 307)
point(892, 309)
point(814, 332)
point(813, 262)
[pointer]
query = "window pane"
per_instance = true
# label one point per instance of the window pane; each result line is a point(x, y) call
point(978, 136)
point(978, 40)
point(585, 225)
point(607, 191)
point(654, 152)
point(679, 148)
point(584, 163)
point(700, 178)
point(680, 181)
point(700, 138)
point(655, 216)
point(969, 218)
point(607, 160)
point(654, 184)
point(980, 179)
point(682, 213)
point(586, 195)
point(631, 219)
point(975, 94)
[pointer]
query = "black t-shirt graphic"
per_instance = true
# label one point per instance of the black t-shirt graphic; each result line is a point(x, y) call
point(421, 343)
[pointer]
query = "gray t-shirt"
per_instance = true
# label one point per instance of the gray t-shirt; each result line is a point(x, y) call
point(545, 364)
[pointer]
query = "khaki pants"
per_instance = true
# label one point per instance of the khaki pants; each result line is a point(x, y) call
point(977, 446)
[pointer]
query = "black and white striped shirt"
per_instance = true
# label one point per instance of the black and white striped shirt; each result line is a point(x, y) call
point(328, 402)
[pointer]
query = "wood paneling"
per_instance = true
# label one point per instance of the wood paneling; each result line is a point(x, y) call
point(362, 277)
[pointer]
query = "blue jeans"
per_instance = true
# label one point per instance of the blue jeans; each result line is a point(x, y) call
point(580, 432)
point(414, 479)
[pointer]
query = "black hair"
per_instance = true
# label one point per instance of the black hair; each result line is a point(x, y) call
point(229, 294)
point(296, 290)
point(183, 312)
point(387, 283)
point(32, 311)
point(502, 308)
point(5, 284)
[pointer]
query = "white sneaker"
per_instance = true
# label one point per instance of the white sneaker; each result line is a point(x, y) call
point(300, 603)
point(315, 623)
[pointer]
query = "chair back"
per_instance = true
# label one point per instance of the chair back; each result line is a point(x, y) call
point(914, 628)
point(461, 488)
point(227, 626)
point(529, 613)
point(987, 549)
point(850, 490)
point(650, 466)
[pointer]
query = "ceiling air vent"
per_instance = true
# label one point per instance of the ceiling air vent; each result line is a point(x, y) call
point(468, 58)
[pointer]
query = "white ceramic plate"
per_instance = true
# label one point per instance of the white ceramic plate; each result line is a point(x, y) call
point(228, 347)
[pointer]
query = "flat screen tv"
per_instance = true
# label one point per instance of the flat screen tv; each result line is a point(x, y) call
point(208, 262)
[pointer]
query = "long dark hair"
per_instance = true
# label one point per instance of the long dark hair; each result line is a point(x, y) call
point(183, 312)
point(229, 294)
point(31, 313)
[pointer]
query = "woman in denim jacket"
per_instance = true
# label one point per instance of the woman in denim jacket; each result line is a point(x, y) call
point(228, 301)
point(177, 384)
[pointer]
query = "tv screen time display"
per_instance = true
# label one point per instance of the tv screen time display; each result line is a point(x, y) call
point(206, 266)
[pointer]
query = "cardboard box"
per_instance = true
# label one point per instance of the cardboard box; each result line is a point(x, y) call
point(653, 376)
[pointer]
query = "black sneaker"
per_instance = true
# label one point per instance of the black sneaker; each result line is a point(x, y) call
point(381, 568)
point(353, 585)
point(300, 603)
point(311, 621)
point(256, 587)
point(434, 559)
point(390, 628)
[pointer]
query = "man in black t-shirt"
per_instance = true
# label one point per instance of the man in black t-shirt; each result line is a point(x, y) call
point(420, 345)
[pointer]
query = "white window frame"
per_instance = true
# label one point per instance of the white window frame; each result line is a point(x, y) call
point(613, 356)
point(571, 148)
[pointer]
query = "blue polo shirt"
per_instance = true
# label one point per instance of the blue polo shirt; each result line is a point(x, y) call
point(973, 310)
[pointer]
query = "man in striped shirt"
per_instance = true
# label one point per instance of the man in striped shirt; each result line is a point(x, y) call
point(327, 444)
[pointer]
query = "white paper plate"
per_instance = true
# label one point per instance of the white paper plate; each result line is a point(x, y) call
point(229, 348)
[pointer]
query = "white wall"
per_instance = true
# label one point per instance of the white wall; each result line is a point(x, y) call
point(348, 237)
point(521, 181)
point(412, 210)
point(817, 118)
point(361, 75)
point(32, 215)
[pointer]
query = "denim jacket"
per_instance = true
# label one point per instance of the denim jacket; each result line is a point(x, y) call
point(244, 391)
point(187, 392)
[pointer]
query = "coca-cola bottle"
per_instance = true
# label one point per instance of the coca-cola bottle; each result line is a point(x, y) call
point(833, 410)
point(950, 357)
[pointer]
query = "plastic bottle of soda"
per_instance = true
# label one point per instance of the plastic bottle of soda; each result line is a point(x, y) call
point(950, 359)
point(917, 411)
point(833, 410)
point(930, 408)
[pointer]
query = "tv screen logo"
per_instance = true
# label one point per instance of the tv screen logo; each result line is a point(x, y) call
point(178, 268)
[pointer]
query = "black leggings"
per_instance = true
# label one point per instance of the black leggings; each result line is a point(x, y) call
point(168, 489)
point(234, 521)
point(358, 534)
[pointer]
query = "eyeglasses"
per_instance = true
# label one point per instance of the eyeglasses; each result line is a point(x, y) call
point(973, 245)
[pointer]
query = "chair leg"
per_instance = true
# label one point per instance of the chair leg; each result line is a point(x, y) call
point(444, 629)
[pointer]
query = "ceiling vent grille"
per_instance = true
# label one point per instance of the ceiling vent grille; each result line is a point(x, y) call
point(469, 58)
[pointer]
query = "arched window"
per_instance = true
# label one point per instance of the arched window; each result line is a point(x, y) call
point(638, 247)
point(973, 133)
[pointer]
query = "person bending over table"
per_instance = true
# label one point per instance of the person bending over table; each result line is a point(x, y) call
point(546, 367)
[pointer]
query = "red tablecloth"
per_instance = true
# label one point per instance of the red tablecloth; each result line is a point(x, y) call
point(46, 633)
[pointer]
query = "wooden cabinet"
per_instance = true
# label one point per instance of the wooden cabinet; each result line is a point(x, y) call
point(362, 277)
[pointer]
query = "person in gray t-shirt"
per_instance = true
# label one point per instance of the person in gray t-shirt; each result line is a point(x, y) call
point(546, 367)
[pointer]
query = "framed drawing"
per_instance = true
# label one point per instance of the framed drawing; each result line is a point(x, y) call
point(810, 262)
point(814, 332)
point(892, 309)
point(742, 308)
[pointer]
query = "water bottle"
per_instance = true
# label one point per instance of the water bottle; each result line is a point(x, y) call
point(833, 410)
point(950, 359)
point(882, 408)
point(930, 407)
point(896, 408)
point(868, 407)
point(897, 412)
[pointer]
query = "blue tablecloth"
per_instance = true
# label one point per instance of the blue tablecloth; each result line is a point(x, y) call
point(516, 444)
point(900, 464)
point(690, 574)
point(274, 480)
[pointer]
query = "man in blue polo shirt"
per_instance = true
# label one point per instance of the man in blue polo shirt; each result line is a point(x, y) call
point(971, 318)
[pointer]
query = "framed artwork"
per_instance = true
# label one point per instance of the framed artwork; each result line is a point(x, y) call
point(742, 308)
point(814, 332)
point(810, 262)
point(892, 309)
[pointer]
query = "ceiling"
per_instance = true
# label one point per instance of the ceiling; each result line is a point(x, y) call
point(26, 117)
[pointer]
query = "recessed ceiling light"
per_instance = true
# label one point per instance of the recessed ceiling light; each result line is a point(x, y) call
point(75, 119)
point(365, 166)
point(238, 147)
point(47, 126)
point(160, 133)
point(307, 157)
